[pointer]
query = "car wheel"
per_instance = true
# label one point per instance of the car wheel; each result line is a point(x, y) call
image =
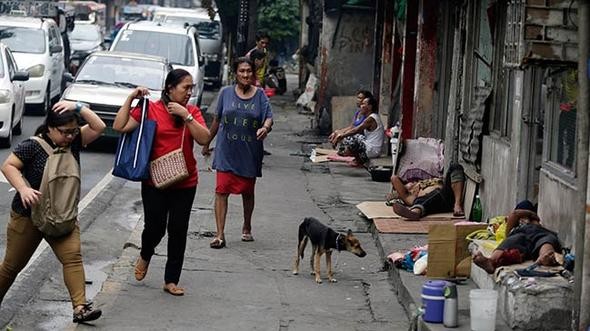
point(47, 102)
point(7, 141)
point(18, 129)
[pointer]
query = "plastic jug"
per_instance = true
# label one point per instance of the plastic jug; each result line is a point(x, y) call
point(450, 316)
point(433, 300)
point(483, 309)
point(394, 140)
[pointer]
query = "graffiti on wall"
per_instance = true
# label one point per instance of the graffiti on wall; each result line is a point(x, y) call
point(354, 38)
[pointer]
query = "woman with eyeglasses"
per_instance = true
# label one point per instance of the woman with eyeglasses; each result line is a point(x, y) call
point(24, 169)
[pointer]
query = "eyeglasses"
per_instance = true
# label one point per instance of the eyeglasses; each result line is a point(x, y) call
point(69, 132)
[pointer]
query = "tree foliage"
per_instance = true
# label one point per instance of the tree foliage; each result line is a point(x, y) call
point(280, 18)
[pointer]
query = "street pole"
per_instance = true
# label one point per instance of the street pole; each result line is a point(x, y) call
point(242, 36)
point(581, 314)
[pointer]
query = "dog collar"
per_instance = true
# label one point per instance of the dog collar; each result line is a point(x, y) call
point(338, 242)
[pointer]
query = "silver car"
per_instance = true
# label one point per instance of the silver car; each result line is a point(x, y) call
point(180, 45)
point(105, 79)
point(12, 96)
point(210, 37)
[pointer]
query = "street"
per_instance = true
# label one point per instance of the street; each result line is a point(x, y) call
point(247, 285)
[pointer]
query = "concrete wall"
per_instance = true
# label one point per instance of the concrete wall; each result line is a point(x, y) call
point(346, 53)
point(386, 85)
point(424, 91)
point(556, 206)
point(500, 162)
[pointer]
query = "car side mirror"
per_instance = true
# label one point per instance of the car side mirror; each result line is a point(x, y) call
point(201, 61)
point(68, 77)
point(20, 76)
point(55, 49)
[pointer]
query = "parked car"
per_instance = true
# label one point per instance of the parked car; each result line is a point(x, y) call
point(210, 37)
point(180, 45)
point(12, 96)
point(105, 79)
point(37, 47)
point(84, 39)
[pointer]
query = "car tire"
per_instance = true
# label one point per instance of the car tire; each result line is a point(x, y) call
point(6, 142)
point(18, 129)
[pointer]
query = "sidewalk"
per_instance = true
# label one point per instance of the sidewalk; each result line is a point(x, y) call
point(249, 285)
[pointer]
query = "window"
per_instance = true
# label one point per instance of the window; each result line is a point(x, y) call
point(23, 40)
point(122, 71)
point(561, 110)
point(11, 65)
point(177, 48)
point(505, 84)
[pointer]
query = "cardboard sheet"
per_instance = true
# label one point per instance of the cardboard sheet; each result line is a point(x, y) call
point(398, 225)
point(325, 151)
point(378, 209)
point(447, 249)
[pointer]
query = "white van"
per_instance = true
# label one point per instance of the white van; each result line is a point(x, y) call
point(180, 45)
point(37, 48)
point(210, 37)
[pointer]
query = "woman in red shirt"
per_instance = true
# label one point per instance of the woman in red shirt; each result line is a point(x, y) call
point(167, 209)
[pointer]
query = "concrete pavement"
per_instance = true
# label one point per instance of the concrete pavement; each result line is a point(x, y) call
point(249, 286)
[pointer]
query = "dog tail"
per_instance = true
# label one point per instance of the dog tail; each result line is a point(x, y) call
point(302, 238)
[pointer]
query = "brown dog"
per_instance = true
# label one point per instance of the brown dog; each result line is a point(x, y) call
point(323, 240)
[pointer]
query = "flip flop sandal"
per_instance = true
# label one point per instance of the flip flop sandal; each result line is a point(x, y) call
point(247, 237)
point(140, 272)
point(217, 243)
point(173, 289)
point(404, 211)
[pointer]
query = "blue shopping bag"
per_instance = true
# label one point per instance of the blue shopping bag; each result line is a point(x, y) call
point(132, 160)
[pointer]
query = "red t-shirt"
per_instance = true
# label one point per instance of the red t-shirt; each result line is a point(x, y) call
point(168, 137)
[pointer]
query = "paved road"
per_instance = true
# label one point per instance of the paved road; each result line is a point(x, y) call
point(246, 286)
point(96, 161)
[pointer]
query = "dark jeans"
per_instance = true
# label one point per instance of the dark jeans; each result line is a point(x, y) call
point(166, 210)
point(441, 200)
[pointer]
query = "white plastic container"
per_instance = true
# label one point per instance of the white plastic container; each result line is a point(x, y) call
point(394, 141)
point(483, 309)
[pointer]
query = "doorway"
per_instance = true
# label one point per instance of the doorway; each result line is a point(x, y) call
point(533, 115)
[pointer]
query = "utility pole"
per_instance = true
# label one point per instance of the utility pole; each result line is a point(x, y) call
point(581, 314)
point(242, 36)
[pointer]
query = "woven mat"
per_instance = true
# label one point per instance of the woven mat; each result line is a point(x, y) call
point(399, 225)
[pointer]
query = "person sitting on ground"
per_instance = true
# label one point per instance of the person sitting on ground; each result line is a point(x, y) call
point(365, 141)
point(430, 196)
point(526, 239)
point(258, 57)
point(358, 117)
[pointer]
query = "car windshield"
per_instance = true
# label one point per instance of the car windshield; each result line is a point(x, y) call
point(207, 29)
point(23, 40)
point(85, 32)
point(177, 48)
point(122, 71)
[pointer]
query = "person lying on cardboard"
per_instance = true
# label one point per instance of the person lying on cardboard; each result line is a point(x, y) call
point(526, 239)
point(430, 196)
